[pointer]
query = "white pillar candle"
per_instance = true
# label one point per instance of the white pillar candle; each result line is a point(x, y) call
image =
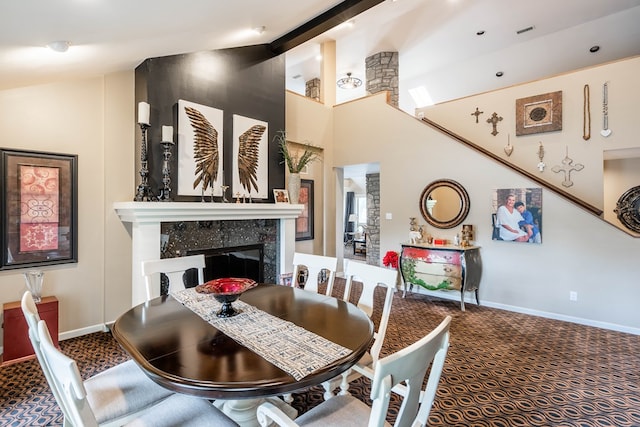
point(143, 113)
point(167, 133)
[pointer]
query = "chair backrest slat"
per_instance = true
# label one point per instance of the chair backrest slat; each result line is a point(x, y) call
point(30, 311)
point(410, 366)
point(371, 277)
point(66, 377)
point(174, 269)
point(315, 264)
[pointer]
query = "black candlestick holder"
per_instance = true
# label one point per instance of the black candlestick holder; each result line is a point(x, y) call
point(144, 193)
point(165, 195)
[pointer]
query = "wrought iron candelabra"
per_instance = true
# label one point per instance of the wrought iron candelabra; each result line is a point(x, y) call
point(144, 193)
point(165, 194)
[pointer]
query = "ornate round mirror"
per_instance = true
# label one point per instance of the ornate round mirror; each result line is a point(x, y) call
point(628, 209)
point(444, 203)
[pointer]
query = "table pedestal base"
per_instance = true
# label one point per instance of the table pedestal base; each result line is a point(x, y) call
point(243, 411)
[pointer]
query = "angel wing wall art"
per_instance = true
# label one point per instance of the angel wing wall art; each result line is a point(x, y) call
point(200, 149)
point(250, 151)
point(248, 157)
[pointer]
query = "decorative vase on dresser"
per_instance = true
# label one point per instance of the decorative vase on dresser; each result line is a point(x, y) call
point(442, 268)
point(294, 187)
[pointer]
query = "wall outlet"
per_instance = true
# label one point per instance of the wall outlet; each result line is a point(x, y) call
point(388, 215)
point(573, 296)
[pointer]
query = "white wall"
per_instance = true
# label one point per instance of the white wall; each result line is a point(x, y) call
point(94, 119)
point(308, 121)
point(623, 95)
point(580, 252)
point(120, 182)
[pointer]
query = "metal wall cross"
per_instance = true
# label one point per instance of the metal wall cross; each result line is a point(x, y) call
point(567, 168)
point(494, 122)
point(477, 113)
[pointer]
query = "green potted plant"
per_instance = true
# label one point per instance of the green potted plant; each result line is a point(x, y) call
point(296, 160)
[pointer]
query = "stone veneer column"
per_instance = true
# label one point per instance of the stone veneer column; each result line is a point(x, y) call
point(373, 218)
point(312, 89)
point(382, 74)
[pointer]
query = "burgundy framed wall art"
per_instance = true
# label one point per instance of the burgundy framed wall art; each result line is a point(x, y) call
point(39, 197)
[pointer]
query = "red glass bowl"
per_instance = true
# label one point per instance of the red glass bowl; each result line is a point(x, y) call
point(226, 291)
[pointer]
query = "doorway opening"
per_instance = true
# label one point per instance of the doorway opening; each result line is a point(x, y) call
point(361, 212)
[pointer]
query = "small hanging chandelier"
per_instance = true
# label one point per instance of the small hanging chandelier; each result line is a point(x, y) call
point(349, 82)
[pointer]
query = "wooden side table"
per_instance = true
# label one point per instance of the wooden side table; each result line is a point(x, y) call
point(17, 346)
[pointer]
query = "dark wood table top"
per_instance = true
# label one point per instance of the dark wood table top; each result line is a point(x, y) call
point(182, 352)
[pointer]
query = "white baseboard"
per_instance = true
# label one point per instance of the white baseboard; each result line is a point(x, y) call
point(82, 331)
point(571, 319)
point(470, 299)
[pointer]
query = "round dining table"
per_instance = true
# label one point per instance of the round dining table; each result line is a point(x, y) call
point(181, 351)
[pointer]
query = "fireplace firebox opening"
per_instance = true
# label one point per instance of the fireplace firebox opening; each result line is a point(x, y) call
point(237, 261)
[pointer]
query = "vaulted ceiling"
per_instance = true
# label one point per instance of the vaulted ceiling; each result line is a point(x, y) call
point(438, 42)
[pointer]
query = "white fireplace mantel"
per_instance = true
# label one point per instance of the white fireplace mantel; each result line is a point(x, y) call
point(145, 219)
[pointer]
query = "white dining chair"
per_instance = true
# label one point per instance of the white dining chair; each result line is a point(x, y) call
point(174, 269)
point(176, 410)
point(315, 264)
point(30, 311)
point(371, 277)
point(116, 394)
point(406, 368)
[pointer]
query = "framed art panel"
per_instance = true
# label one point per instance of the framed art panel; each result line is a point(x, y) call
point(304, 223)
point(540, 113)
point(200, 150)
point(39, 193)
point(250, 174)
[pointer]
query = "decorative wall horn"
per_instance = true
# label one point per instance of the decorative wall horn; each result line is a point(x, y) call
point(605, 111)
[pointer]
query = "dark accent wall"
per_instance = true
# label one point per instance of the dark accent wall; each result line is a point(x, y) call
point(249, 81)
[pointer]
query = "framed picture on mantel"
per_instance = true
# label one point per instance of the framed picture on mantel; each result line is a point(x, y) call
point(39, 194)
point(280, 195)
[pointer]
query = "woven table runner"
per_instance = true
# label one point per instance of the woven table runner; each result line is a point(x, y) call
point(291, 348)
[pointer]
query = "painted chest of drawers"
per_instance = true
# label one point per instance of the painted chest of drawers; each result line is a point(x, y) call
point(442, 268)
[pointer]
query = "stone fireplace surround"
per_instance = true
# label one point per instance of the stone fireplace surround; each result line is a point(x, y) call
point(146, 219)
point(213, 238)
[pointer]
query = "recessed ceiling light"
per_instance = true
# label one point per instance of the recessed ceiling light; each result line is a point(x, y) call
point(259, 30)
point(480, 33)
point(499, 74)
point(59, 46)
point(594, 49)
